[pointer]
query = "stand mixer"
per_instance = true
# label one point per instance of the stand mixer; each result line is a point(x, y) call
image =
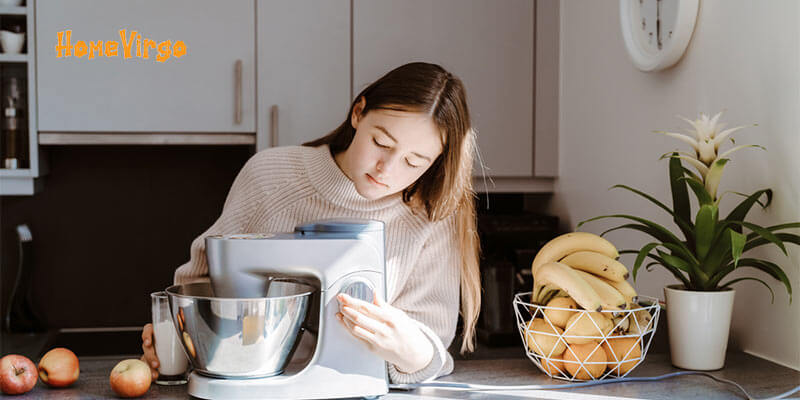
point(239, 331)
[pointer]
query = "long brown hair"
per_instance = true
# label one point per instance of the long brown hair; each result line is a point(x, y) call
point(446, 187)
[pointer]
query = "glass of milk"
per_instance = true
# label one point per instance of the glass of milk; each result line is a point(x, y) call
point(172, 360)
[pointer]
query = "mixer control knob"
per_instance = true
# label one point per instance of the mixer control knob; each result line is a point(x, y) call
point(359, 288)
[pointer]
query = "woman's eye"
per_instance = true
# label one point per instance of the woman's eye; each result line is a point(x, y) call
point(378, 144)
point(411, 165)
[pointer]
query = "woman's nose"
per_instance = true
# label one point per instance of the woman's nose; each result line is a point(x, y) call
point(384, 165)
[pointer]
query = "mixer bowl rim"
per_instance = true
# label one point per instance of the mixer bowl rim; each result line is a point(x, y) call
point(310, 290)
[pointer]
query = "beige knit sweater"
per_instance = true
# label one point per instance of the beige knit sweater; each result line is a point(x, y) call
point(281, 187)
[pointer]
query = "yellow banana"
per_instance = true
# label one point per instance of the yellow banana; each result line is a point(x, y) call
point(566, 244)
point(566, 278)
point(598, 264)
point(625, 288)
point(610, 298)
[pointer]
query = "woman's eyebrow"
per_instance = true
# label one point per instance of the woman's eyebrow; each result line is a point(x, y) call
point(385, 131)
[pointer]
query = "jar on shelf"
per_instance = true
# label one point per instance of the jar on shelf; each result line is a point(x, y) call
point(13, 133)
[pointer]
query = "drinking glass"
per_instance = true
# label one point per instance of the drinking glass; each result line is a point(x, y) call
point(172, 361)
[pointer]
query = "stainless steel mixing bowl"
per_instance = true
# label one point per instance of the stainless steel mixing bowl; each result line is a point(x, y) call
point(239, 337)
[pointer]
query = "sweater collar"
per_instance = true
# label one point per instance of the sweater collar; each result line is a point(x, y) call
point(329, 180)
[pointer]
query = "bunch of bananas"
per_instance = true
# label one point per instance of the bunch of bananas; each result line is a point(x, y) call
point(575, 271)
point(583, 266)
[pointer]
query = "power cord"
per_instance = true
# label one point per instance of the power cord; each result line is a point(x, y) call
point(470, 386)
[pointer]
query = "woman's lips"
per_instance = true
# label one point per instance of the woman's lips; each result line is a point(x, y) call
point(375, 181)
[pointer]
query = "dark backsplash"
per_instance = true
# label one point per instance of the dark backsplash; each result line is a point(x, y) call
point(113, 222)
point(111, 225)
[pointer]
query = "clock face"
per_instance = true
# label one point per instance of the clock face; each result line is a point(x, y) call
point(656, 32)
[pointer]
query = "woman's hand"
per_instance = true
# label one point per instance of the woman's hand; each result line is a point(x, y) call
point(387, 331)
point(149, 356)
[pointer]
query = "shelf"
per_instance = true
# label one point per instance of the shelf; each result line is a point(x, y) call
point(15, 58)
point(16, 173)
point(512, 185)
point(7, 10)
point(64, 139)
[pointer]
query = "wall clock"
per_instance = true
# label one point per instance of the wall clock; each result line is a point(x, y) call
point(656, 32)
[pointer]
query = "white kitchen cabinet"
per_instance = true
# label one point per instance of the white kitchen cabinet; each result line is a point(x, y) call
point(489, 44)
point(22, 180)
point(209, 89)
point(303, 69)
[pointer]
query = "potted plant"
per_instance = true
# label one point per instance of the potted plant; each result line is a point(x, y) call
point(706, 248)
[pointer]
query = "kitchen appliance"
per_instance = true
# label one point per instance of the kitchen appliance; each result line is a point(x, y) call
point(266, 326)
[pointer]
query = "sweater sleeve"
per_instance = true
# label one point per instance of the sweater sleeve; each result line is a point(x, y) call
point(431, 297)
point(240, 205)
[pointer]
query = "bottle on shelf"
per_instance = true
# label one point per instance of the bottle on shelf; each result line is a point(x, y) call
point(13, 127)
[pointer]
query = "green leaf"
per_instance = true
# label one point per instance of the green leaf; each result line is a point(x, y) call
point(650, 265)
point(680, 251)
point(774, 228)
point(786, 237)
point(763, 232)
point(699, 190)
point(675, 261)
point(704, 229)
point(642, 254)
point(683, 222)
point(680, 195)
point(740, 212)
point(728, 284)
point(737, 246)
point(714, 176)
point(720, 252)
point(675, 272)
point(655, 230)
point(770, 268)
point(641, 228)
point(692, 175)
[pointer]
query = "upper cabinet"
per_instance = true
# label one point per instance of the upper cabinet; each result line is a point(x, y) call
point(303, 69)
point(489, 44)
point(182, 66)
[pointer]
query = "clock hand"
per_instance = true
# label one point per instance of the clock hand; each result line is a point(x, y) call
point(658, 23)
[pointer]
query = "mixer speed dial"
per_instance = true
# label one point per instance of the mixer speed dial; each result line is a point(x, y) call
point(359, 288)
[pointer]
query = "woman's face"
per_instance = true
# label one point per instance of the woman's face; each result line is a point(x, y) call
point(390, 150)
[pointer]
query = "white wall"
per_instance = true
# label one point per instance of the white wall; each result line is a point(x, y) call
point(744, 57)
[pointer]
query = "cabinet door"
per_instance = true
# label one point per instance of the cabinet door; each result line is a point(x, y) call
point(303, 69)
point(197, 92)
point(487, 43)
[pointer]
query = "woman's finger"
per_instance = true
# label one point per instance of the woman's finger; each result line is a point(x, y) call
point(365, 334)
point(350, 328)
point(147, 335)
point(380, 313)
point(150, 357)
point(364, 321)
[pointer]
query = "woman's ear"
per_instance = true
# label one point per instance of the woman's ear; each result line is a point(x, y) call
point(357, 110)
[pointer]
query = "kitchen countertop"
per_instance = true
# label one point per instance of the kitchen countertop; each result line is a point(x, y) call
point(759, 377)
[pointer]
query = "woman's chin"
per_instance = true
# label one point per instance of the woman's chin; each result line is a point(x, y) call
point(372, 192)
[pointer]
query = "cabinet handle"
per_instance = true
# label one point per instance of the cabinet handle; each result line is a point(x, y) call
point(237, 117)
point(273, 126)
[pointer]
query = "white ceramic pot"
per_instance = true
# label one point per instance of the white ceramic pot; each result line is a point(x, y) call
point(698, 324)
point(12, 42)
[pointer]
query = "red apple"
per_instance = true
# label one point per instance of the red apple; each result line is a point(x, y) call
point(59, 367)
point(17, 374)
point(130, 378)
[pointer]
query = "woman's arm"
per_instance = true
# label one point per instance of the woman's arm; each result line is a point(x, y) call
point(430, 296)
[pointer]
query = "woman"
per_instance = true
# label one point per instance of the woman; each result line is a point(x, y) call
point(403, 156)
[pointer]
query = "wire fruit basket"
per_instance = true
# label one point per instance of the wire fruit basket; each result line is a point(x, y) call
point(592, 345)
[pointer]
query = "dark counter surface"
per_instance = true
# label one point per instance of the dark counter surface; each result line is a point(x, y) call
point(759, 377)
